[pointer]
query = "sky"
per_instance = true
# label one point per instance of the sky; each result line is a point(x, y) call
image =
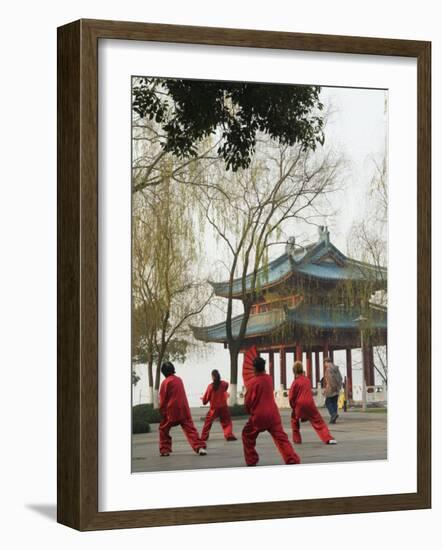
point(357, 129)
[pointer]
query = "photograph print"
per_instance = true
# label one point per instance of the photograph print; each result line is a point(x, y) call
point(259, 274)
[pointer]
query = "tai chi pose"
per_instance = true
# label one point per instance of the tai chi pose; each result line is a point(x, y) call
point(175, 411)
point(264, 416)
point(332, 387)
point(216, 394)
point(304, 407)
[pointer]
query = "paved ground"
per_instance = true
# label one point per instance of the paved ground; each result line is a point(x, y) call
point(361, 436)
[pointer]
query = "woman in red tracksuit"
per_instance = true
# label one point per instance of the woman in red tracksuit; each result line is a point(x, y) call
point(304, 408)
point(175, 411)
point(264, 416)
point(216, 395)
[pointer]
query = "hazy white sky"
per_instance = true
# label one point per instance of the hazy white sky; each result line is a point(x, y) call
point(357, 128)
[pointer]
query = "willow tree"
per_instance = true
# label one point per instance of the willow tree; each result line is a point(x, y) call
point(368, 242)
point(166, 288)
point(368, 238)
point(150, 156)
point(249, 212)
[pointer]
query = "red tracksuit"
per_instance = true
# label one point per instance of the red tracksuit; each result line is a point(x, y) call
point(175, 410)
point(264, 416)
point(218, 409)
point(304, 408)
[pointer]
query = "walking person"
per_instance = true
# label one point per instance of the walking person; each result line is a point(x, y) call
point(332, 387)
point(304, 408)
point(216, 394)
point(264, 416)
point(175, 411)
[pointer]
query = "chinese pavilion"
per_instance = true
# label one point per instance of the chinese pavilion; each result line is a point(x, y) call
point(310, 300)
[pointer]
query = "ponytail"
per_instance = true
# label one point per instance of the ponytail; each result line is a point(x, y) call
point(216, 379)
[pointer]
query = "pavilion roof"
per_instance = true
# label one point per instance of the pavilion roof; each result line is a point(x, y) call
point(321, 261)
point(303, 315)
point(263, 323)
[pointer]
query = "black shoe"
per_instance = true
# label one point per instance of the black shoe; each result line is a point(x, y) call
point(333, 419)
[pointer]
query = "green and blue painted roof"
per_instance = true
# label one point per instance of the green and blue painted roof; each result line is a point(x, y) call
point(321, 261)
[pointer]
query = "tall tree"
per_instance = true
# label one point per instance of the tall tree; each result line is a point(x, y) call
point(249, 211)
point(368, 242)
point(167, 293)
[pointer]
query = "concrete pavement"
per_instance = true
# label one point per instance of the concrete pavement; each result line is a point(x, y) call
point(361, 436)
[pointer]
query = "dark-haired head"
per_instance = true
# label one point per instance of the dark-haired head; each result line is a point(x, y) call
point(167, 369)
point(216, 377)
point(259, 364)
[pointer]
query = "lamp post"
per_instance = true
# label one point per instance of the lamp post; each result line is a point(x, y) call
point(361, 320)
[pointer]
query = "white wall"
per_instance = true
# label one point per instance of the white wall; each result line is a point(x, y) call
point(27, 291)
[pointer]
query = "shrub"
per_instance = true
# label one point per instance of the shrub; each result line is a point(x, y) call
point(142, 417)
point(238, 410)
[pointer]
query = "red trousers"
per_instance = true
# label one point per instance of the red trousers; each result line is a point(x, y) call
point(189, 430)
point(317, 423)
point(226, 422)
point(250, 433)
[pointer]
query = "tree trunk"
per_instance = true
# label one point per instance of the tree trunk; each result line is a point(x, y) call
point(157, 385)
point(150, 382)
point(233, 389)
point(155, 399)
point(150, 395)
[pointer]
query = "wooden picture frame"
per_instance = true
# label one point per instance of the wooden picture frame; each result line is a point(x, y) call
point(77, 461)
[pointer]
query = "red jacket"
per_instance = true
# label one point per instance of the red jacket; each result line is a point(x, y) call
point(218, 397)
point(173, 400)
point(301, 397)
point(260, 402)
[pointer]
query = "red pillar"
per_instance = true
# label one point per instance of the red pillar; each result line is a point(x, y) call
point(326, 353)
point(298, 352)
point(283, 373)
point(272, 367)
point(325, 350)
point(317, 368)
point(349, 374)
point(308, 363)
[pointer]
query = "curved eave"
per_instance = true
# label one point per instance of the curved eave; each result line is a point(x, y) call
point(274, 273)
point(217, 333)
point(223, 292)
